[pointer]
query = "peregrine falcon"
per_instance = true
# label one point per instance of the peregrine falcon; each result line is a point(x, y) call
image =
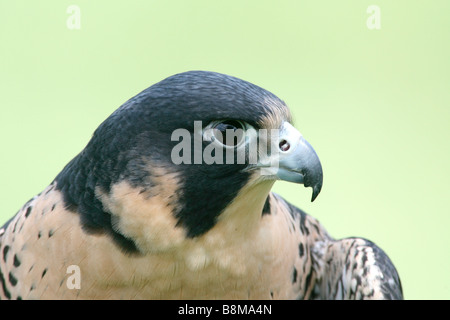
point(163, 204)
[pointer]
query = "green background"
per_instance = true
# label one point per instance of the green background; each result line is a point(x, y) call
point(375, 104)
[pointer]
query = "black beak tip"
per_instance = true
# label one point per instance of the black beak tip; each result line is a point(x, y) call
point(316, 191)
point(316, 183)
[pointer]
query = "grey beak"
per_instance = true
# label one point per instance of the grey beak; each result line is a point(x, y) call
point(302, 165)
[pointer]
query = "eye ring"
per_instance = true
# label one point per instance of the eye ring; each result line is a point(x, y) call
point(229, 133)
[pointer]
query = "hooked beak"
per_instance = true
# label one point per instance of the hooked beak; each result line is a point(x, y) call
point(297, 160)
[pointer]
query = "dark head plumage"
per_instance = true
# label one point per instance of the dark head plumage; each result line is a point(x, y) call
point(139, 133)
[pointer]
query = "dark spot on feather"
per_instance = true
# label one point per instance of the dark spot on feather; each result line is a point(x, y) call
point(317, 228)
point(39, 234)
point(303, 228)
point(358, 281)
point(349, 251)
point(294, 275)
point(292, 228)
point(306, 230)
point(308, 281)
point(365, 271)
point(271, 294)
point(44, 272)
point(4, 288)
point(53, 207)
point(5, 253)
point(28, 211)
point(364, 259)
point(12, 279)
point(50, 233)
point(301, 250)
point(16, 262)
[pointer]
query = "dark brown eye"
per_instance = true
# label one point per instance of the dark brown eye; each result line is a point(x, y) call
point(229, 132)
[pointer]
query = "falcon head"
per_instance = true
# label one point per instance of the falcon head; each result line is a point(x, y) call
point(192, 152)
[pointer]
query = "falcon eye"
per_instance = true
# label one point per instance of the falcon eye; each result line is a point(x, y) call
point(230, 133)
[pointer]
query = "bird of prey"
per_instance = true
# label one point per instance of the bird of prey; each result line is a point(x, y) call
point(156, 206)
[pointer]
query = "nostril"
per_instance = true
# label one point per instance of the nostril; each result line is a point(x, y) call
point(284, 145)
